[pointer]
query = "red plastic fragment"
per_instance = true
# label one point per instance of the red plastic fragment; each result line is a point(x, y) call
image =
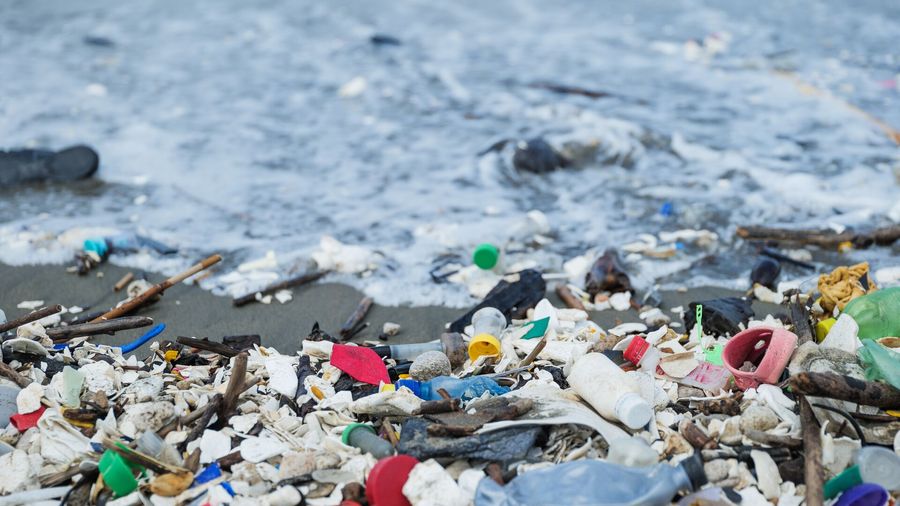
point(361, 363)
point(23, 422)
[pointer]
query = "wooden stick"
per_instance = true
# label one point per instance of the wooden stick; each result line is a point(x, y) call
point(444, 394)
point(569, 298)
point(845, 388)
point(157, 289)
point(773, 439)
point(389, 430)
point(60, 334)
point(280, 285)
point(822, 238)
point(358, 314)
point(207, 415)
point(534, 353)
point(123, 282)
point(800, 319)
point(435, 407)
point(696, 437)
point(13, 375)
point(30, 317)
point(233, 390)
point(812, 449)
point(142, 459)
point(438, 430)
point(205, 345)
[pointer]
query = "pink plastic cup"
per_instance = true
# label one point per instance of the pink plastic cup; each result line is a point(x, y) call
point(769, 349)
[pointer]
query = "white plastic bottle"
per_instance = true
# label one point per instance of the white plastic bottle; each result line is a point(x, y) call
point(606, 387)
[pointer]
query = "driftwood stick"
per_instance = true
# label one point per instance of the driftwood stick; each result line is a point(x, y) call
point(198, 429)
point(773, 439)
point(534, 353)
point(206, 345)
point(234, 388)
point(439, 430)
point(800, 319)
point(569, 299)
point(845, 388)
point(822, 238)
point(435, 407)
point(13, 375)
point(157, 289)
point(30, 317)
point(122, 283)
point(812, 448)
point(696, 436)
point(347, 330)
point(280, 285)
point(60, 334)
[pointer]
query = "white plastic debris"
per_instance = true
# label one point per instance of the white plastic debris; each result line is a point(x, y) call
point(29, 398)
point(843, 335)
point(767, 475)
point(620, 301)
point(353, 88)
point(61, 443)
point(213, 445)
point(20, 472)
point(258, 449)
point(269, 261)
point(282, 376)
point(430, 485)
point(30, 304)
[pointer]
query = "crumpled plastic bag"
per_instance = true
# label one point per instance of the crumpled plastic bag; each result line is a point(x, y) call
point(61, 443)
point(881, 363)
point(842, 285)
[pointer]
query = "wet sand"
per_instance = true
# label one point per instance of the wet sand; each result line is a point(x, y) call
point(188, 310)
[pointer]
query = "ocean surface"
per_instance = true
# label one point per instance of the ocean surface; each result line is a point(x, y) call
point(247, 127)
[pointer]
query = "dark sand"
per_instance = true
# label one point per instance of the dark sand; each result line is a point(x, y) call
point(189, 311)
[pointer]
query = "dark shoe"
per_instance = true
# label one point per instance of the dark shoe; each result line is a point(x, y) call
point(33, 165)
point(70, 164)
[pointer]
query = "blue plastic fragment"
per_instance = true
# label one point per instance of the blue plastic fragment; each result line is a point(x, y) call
point(227, 487)
point(666, 209)
point(137, 343)
point(211, 472)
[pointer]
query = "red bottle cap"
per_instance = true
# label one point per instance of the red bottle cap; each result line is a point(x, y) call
point(384, 487)
point(636, 349)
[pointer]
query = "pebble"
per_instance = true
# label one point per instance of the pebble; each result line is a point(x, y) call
point(758, 417)
point(429, 365)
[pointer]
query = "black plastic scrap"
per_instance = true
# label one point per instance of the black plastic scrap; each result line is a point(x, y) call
point(721, 316)
point(511, 298)
point(501, 445)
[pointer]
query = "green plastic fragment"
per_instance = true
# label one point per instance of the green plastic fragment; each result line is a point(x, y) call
point(714, 354)
point(538, 328)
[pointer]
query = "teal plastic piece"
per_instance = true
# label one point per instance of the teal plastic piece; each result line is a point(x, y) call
point(538, 328)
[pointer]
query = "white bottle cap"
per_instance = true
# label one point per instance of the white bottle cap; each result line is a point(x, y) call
point(633, 411)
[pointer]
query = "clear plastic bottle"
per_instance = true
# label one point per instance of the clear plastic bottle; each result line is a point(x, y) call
point(873, 465)
point(877, 313)
point(595, 483)
point(488, 320)
point(465, 388)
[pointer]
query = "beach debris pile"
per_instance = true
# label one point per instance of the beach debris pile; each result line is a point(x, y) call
point(519, 402)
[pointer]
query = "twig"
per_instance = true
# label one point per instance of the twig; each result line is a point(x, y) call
point(157, 289)
point(207, 415)
point(773, 439)
point(812, 449)
point(435, 407)
point(822, 238)
point(389, 430)
point(30, 317)
point(60, 334)
point(206, 345)
point(233, 390)
point(347, 330)
point(539, 347)
point(696, 437)
point(11, 374)
point(845, 388)
point(569, 299)
point(120, 284)
point(800, 319)
point(281, 285)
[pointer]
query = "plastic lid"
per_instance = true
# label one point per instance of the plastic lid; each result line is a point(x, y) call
point(483, 344)
point(633, 411)
point(636, 350)
point(384, 486)
point(867, 494)
point(485, 256)
point(117, 474)
point(345, 436)
point(693, 467)
point(847, 479)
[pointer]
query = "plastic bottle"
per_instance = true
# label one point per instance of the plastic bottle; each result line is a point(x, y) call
point(595, 482)
point(407, 352)
point(873, 465)
point(465, 388)
point(488, 323)
point(364, 437)
point(876, 313)
point(606, 387)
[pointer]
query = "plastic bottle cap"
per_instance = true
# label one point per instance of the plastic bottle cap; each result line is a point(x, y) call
point(117, 473)
point(636, 350)
point(486, 256)
point(345, 436)
point(384, 487)
point(867, 494)
point(633, 411)
point(483, 344)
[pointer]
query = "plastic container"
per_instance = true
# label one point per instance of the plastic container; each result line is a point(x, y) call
point(881, 363)
point(118, 473)
point(606, 387)
point(867, 494)
point(595, 482)
point(364, 437)
point(488, 324)
point(873, 465)
point(876, 313)
point(465, 389)
point(640, 353)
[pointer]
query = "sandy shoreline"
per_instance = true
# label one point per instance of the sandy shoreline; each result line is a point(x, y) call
point(188, 310)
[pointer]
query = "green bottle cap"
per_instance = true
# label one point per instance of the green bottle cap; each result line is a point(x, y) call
point(345, 436)
point(849, 478)
point(485, 256)
point(118, 475)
